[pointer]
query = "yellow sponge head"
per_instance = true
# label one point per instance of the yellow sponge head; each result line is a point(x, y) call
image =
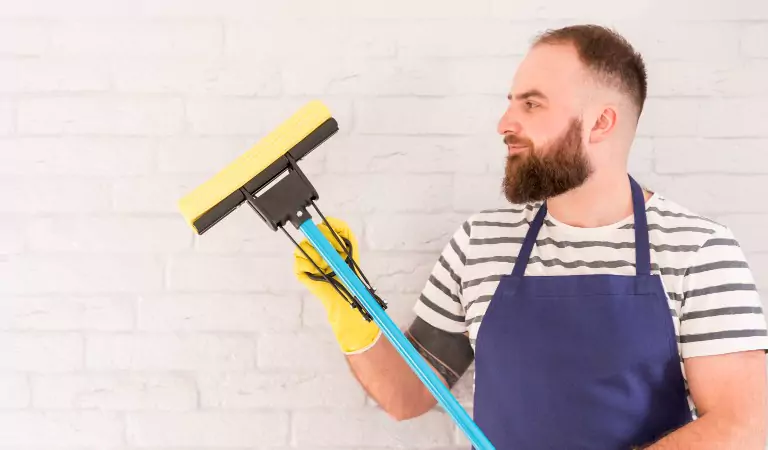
point(217, 197)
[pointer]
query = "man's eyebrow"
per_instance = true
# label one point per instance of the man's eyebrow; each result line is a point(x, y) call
point(528, 94)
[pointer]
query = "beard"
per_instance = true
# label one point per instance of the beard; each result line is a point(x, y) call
point(541, 173)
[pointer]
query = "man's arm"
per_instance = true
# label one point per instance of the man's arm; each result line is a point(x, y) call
point(730, 394)
point(389, 380)
point(723, 342)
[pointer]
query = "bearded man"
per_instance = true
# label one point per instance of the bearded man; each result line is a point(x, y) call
point(599, 314)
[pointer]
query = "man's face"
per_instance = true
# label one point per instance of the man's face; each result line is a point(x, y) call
point(541, 126)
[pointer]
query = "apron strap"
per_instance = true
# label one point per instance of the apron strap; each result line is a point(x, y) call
point(530, 239)
point(642, 242)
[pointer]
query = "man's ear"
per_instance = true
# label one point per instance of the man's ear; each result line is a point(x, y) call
point(604, 124)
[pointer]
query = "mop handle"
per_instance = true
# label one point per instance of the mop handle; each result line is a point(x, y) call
point(395, 336)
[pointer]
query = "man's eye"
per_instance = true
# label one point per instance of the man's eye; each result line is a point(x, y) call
point(530, 105)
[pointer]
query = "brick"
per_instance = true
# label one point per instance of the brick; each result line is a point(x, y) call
point(51, 352)
point(77, 156)
point(749, 230)
point(229, 274)
point(12, 235)
point(112, 116)
point(472, 193)
point(405, 76)
point(7, 117)
point(418, 232)
point(34, 196)
point(15, 391)
point(402, 155)
point(219, 312)
point(53, 75)
point(401, 271)
point(208, 429)
point(592, 10)
point(168, 352)
point(715, 194)
point(246, 76)
point(199, 155)
point(136, 38)
point(385, 193)
point(317, 37)
point(33, 274)
point(464, 38)
point(717, 41)
point(463, 115)
point(754, 40)
point(66, 313)
point(372, 426)
point(396, 9)
point(153, 194)
point(705, 155)
point(641, 156)
point(300, 351)
point(109, 234)
point(707, 78)
point(114, 392)
point(252, 117)
point(23, 39)
point(717, 118)
point(279, 390)
point(22, 429)
point(670, 117)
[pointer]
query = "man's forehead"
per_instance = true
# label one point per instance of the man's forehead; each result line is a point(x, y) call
point(550, 70)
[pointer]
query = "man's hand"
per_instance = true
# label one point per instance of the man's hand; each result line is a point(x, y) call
point(730, 395)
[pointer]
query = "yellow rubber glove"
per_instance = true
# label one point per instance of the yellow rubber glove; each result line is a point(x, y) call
point(352, 331)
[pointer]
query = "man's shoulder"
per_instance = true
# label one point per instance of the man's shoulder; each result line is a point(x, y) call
point(670, 219)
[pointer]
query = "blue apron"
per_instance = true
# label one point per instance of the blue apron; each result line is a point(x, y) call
point(582, 361)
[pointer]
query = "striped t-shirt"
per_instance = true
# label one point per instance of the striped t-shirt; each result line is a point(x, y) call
point(713, 300)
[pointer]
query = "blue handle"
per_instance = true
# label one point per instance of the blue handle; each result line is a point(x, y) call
point(395, 336)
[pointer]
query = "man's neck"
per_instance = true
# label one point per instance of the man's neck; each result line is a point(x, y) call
point(605, 198)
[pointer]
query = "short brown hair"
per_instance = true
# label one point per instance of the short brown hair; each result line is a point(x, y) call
point(608, 54)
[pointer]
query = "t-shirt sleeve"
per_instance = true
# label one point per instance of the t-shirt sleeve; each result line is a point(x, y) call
point(721, 311)
point(440, 303)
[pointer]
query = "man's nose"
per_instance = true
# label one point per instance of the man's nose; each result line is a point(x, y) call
point(508, 123)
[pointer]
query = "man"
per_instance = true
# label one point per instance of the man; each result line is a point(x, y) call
point(599, 315)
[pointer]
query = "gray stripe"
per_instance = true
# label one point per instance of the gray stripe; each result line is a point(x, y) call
point(666, 213)
point(527, 207)
point(731, 311)
point(481, 299)
point(719, 265)
point(489, 223)
point(474, 319)
point(729, 287)
point(466, 227)
point(674, 296)
point(458, 251)
point(579, 263)
point(436, 283)
point(449, 269)
point(582, 244)
point(477, 281)
point(721, 241)
point(496, 240)
point(653, 226)
point(504, 259)
point(440, 310)
point(729, 334)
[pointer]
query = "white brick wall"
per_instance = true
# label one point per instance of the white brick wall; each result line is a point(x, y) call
point(120, 329)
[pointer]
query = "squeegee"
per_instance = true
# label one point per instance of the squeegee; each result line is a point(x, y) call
point(268, 178)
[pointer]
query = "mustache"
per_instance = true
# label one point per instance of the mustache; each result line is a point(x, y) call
point(517, 141)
